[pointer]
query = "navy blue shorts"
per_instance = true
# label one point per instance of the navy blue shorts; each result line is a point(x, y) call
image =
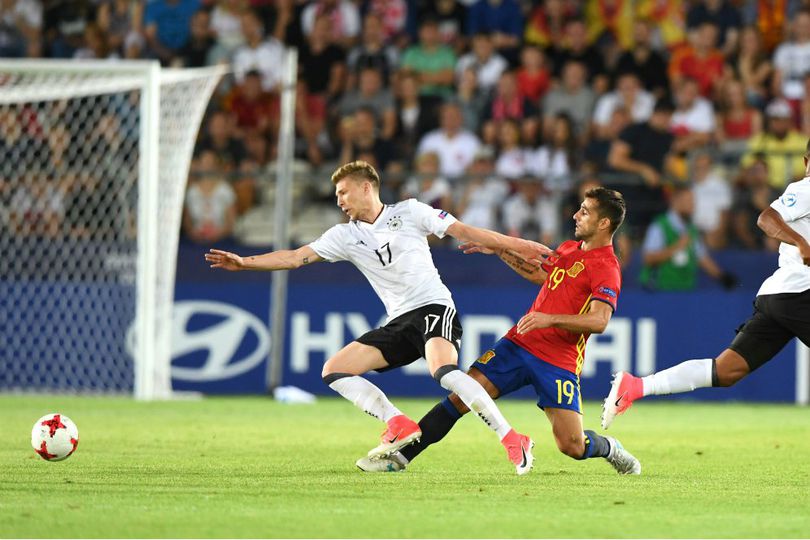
point(511, 367)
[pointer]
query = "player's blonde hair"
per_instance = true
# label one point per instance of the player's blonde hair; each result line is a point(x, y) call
point(358, 170)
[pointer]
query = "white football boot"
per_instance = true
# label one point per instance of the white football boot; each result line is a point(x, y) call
point(393, 463)
point(623, 461)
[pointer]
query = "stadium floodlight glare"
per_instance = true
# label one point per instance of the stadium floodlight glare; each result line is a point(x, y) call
point(94, 157)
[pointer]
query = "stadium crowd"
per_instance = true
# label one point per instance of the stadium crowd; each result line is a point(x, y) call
point(502, 112)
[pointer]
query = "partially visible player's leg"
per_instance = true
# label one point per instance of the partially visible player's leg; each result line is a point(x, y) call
point(341, 373)
point(573, 441)
point(756, 342)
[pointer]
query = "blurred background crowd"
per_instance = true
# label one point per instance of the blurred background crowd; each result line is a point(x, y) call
point(503, 112)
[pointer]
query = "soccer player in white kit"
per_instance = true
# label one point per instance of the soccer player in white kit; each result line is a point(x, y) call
point(781, 312)
point(388, 244)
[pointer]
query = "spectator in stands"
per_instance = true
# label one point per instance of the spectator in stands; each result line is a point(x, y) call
point(752, 66)
point(502, 19)
point(572, 97)
point(533, 76)
point(643, 149)
point(780, 144)
point(487, 64)
point(20, 28)
point(693, 122)
point(596, 152)
point(737, 121)
point(673, 252)
point(700, 60)
point(667, 19)
point(472, 100)
point(508, 104)
point(724, 15)
point(219, 139)
point(265, 55)
point(415, 114)
point(804, 107)
point(168, 26)
point(532, 212)
point(432, 61)
point(210, 209)
point(284, 22)
point(753, 193)
point(63, 25)
point(253, 110)
point(484, 192)
point(391, 13)
point(119, 19)
point(450, 16)
point(371, 94)
point(37, 206)
point(556, 161)
point(712, 196)
point(322, 66)
point(769, 18)
point(512, 159)
point(456, 147)
point(372, 53)
point(197, 51)
point(428, 186)
point(343, 20)
point(643, 60)
point(791, 61)
point(629, 95)
point(610, 22)
point(360, 133)
point(545, 25)
point(95, 45)
point(226, 26)
point(576, 47)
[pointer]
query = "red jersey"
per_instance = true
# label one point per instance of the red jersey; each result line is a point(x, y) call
point(575, 279)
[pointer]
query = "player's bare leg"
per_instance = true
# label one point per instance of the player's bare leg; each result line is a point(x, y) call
point(725, 370)
point(342, 374)
point(566, 425)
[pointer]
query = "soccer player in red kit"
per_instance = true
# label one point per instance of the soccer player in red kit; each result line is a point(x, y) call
point(546, 348)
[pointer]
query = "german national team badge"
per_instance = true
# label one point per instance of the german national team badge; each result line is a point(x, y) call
point(575, 269)
point(394, 224)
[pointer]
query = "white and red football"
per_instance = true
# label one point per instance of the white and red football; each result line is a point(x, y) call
point(54, 437)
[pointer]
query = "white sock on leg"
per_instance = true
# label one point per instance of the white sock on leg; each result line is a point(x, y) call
point(684, 377)
point(476, 398)
point(366, 396)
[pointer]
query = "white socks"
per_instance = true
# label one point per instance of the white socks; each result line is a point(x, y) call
point(366, 396)
point(476, 398)
point(684, 377)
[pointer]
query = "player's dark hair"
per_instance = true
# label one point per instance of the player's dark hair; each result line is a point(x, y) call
point(611, 205)
point(359, 170)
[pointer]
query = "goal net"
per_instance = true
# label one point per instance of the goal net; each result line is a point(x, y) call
point(94, 158)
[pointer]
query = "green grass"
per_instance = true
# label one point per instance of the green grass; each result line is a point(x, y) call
point(255, 468)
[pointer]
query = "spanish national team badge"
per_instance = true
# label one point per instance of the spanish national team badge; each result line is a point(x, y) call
point(575, 269)
point(486, 357)
point(394, 224)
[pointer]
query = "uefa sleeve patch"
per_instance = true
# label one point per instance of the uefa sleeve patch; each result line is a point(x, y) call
point(607, 291)
point(443, 214)
point(788, 199)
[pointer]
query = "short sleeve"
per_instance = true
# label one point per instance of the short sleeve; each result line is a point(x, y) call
point(331, 245)
point(795, 202)
point(606, 282)
point(430, 220)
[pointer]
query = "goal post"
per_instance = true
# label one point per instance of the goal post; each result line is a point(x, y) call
point(94, 158)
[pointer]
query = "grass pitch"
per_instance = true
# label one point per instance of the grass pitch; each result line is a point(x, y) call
point(255, 468)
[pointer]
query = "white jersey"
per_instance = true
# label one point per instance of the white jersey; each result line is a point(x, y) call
point(393, 254)
point(793, 276)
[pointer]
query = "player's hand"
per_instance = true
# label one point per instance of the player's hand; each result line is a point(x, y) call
point(728, 280)
point(474, 247)
point(225, 260)
point(533, 321)
point(532, 252)
point(804, 252)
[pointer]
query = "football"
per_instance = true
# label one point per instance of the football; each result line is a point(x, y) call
point(54, 437)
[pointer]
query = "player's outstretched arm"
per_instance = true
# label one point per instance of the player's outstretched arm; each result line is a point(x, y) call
point(594, 321)
point(531, 252)
point(528, 271)
point(287, 259)
point(772, 224)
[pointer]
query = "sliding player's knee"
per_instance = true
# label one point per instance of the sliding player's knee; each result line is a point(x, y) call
point(730, 371)
point(571, 446)
point(458, 404)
